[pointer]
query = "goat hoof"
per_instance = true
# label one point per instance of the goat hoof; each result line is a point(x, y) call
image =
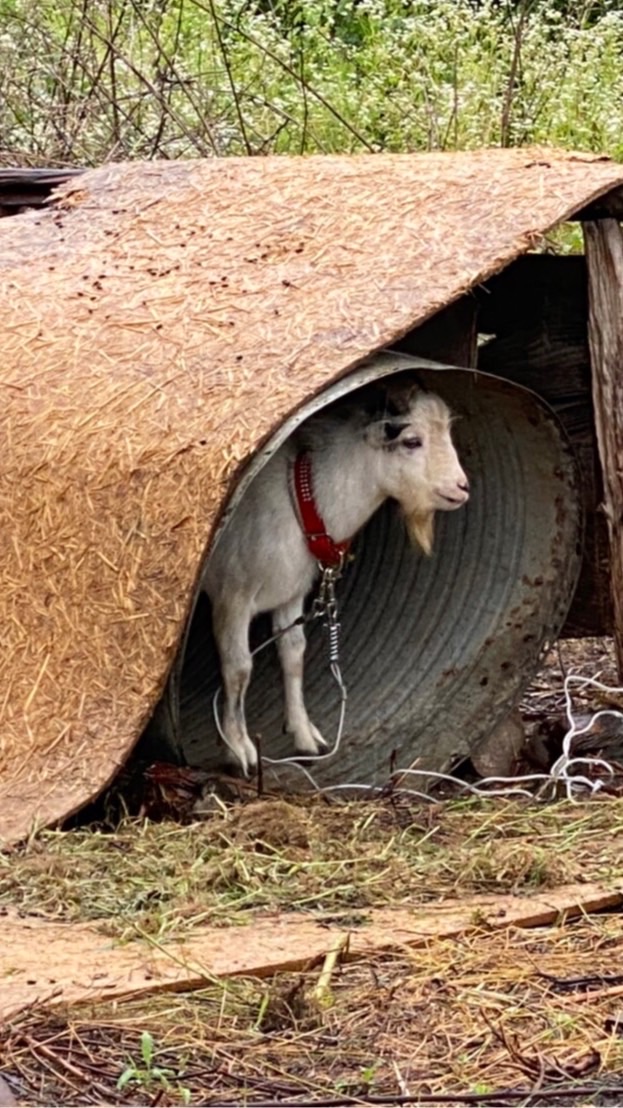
point(308, 740)
point(243, 754)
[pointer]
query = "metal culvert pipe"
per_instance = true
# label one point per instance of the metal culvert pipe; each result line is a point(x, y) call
point(434, 651)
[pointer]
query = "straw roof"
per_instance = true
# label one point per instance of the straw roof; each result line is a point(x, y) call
point(157, 324)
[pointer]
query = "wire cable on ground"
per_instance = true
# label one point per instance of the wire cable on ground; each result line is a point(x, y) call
point(562, 774)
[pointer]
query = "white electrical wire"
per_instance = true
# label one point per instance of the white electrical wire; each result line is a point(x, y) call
point(560, 769)
point(295, 761)
point(560, 774)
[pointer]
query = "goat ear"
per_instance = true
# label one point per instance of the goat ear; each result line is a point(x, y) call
point(384, 432)
point(400, 393)
point(374, 433)
point(397, 399)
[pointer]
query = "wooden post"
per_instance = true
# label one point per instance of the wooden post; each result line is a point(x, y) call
point(604, 258)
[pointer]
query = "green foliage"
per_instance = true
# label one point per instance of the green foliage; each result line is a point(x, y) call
point(83, 81)
point(149, 1076)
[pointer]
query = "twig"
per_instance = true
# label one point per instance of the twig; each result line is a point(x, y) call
point(598, 994)
point(230, 77)
point(260, 766)
point(505, 124)
point(340, 946)
point(185, 964)
point(167, 59)
point(402, 1085)
point(58, 1059)
point(151, 88)
point(305, 120)
point(292, 73)
point(573, 984)
point(493, 1098)
point(561, 662)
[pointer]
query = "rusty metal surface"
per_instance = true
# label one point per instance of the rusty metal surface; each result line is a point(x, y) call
point(435, 651)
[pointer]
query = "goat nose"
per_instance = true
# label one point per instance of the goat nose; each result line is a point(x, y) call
point(464, 485)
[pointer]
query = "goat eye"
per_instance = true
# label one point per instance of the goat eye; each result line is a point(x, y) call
point(412, 443)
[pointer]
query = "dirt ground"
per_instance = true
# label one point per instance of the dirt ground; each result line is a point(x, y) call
point(489, 1016)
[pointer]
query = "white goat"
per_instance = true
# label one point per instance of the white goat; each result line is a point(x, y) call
point(391, 441)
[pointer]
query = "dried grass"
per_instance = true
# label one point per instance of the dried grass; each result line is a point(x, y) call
point(483, 1011)
point(466, 1015)
point(163, 879)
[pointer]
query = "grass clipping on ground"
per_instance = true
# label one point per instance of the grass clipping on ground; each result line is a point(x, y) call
point(484, 1010)
point(164, 878)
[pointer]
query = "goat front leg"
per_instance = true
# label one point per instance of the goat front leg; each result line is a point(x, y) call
point(231, 619)
point(291, 647)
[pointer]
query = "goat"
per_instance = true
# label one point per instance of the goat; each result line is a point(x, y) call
point(387, 443)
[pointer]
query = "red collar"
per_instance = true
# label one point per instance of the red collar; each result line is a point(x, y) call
point(320, 545)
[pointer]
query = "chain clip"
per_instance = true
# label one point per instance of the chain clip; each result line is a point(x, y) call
point(325, 606)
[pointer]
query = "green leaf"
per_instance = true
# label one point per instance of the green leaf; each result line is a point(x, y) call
point(129, 1074)
point(147, 1048)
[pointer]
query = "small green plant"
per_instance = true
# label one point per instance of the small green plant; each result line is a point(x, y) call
point(147, 1075)
point(363, 1086)
point(481, 1088)
point(368, 1075)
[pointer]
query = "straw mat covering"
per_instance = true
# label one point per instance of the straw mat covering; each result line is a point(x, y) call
point(157, 325)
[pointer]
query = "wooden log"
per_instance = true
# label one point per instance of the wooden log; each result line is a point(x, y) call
point(604, 258)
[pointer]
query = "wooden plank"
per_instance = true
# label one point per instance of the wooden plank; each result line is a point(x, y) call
point(604, 257)
point(49, 963)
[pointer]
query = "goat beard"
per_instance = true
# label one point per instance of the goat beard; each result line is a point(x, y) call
point(420, 527)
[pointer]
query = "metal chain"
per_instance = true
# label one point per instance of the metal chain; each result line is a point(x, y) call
point(325, 608)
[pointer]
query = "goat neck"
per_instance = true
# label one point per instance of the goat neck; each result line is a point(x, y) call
point(346, 483)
